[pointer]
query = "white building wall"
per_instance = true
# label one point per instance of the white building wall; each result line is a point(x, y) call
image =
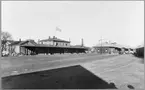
point(23, 50)
point(17, 49)
point(54, 43)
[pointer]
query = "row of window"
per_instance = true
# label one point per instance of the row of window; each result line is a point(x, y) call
point(105, 50)
point(60, 44)
point(55, 43)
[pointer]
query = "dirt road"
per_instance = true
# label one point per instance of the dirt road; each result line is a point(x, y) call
point(122, 70)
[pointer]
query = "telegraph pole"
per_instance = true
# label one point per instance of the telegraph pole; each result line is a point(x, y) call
point(101, 44)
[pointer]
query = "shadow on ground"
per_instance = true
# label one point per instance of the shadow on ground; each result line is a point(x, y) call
point(74, 77)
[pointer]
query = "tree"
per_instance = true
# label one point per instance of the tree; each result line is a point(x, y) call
point(5, 36)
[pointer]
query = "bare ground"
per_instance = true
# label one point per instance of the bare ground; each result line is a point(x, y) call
point(123, 70)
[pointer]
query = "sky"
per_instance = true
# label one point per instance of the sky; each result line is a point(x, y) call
point(117, 21)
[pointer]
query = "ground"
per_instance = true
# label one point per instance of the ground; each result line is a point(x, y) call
point(122, 70)
point(87, 70)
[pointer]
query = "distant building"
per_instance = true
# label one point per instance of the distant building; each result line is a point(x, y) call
point(54, 42)
point(111, 48)
point(107, 48)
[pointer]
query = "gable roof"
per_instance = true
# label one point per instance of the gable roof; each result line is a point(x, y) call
point(23, 42)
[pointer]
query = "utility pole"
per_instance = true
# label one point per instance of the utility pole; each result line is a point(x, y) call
point(101, 44)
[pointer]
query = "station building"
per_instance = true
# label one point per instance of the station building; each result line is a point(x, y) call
point(46, 46)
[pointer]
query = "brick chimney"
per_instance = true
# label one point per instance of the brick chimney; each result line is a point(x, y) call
point(82, 43)
point(53, 37)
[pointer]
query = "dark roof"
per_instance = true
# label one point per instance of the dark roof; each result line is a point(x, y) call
point(33, 42)
point(55, 39)
point(42, 45)
point(112, 45)
point(23, 42)
point(17, 42)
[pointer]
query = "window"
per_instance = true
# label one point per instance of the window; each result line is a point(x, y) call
point(56, 44)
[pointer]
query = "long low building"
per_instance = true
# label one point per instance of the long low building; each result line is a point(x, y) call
point(111, 48)
point(47, 46)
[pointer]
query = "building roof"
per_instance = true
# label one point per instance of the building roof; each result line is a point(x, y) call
point(16, 43)
point(5, 41)
point(109, 45)
point(113, 45)
point(23, 42)
point(42, 45)
point(54, 39)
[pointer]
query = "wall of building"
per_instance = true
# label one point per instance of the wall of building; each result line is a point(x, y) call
point(61, 44)
point(17, 49)
point(14, 49)
point(47, 42)
point(106, 50)
point(55, 43)
point(23, 51)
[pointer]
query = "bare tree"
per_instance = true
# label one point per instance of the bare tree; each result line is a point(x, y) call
point(5, 36)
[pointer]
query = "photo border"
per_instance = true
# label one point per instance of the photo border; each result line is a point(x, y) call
point(50, 0)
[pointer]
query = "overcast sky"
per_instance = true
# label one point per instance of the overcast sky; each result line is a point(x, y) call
point(119, 21)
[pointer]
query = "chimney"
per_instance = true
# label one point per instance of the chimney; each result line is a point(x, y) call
point(82, 42)
point(53, 37)
point(19, 39)
point(49, 37)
